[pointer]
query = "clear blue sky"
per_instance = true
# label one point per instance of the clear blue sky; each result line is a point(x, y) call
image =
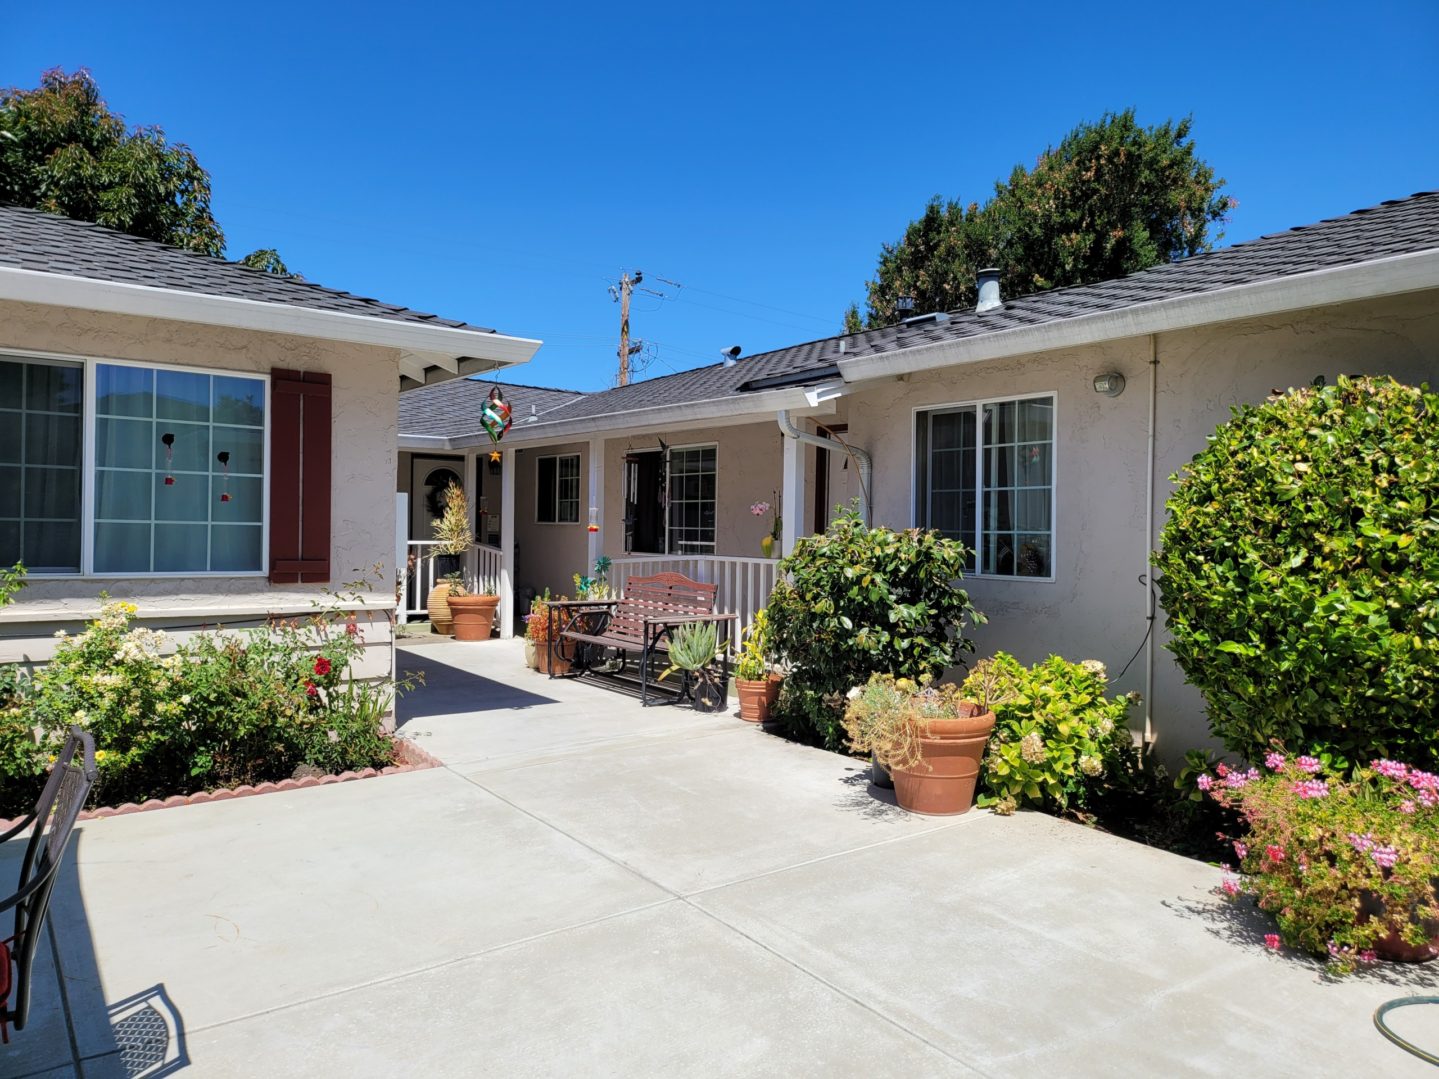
point(501, 162)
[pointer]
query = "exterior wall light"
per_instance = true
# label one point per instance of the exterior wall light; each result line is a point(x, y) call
point(1111, 384)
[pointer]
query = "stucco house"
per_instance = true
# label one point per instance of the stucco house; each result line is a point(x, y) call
point(212, 442)
point(1041, 430)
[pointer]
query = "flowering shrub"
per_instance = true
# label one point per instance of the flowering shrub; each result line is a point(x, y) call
point(1346, 864)
point(220, 710)
point(1057, 737)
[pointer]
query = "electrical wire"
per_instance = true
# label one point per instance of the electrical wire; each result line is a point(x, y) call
point(1148, 629)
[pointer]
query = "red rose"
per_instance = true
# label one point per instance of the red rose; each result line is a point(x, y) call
point(311, 690)
point(322, 666)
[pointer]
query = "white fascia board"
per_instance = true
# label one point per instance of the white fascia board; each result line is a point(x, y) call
point(1340, 284)
point(422, 443)
point(114, 297)
point(720, 412)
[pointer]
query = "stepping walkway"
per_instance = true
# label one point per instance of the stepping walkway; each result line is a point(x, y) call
point(591, 888)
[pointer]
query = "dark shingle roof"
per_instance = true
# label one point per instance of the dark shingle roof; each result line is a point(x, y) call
point(452, 409)
point(1397, 227)
point(49, 243)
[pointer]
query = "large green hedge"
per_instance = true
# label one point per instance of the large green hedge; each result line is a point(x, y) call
point(1299, 570)
point(857, 601)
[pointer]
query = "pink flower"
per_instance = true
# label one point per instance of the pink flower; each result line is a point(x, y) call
point(1308, 764)
point(322, 666)
point(1229, 886)
point(1239, 780)
point(1312, 788)
point(311, 690)
point(1273, 853)
point(1274, 761)
point(1384, 857)
point(1406, 806)
point(1390, 769)
point(1368, 956)
point(759, 509)
point(1272, 941)
point(1222, 769)
point(1240, 849)
point(1204, 782)
point(1362, 843)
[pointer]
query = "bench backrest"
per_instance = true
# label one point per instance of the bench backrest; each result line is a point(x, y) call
point(663, 595)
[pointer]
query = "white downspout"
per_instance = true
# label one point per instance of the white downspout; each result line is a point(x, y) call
point(1151, 608)
point(862, 457)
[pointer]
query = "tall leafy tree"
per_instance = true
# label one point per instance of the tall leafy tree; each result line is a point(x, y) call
point(62, 150)
point(1112, 198)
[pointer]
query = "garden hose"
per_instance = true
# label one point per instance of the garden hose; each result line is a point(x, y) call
point(1400, 1002)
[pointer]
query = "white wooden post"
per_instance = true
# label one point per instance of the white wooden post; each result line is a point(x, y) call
point(507, 543)
point(472, 500)
point(793, 489)
point(402, 553)
point(597, 501)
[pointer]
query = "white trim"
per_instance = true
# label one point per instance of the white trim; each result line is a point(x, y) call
point(669, 475)
point(977, 404)
point(1319, 288)
point(66, 290)
point(556, 457)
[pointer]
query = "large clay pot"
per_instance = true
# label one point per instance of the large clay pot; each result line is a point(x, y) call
point(437, 604)
point(550, 662)
point(1393, 946)
point(473, 616)
point(943, 782)
point(757, 698)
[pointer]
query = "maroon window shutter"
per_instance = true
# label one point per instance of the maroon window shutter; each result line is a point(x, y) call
point(299, 477)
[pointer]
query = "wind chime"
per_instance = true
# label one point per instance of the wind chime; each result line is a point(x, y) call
point(224, 458)
point(169, 440)
point(495, 417)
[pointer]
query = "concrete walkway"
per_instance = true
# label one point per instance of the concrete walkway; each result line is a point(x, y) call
point(592, 889)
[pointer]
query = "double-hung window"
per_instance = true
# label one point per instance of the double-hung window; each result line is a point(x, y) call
point(692, 500)
point(985, 476)
point(558, 495)
point(121, 468)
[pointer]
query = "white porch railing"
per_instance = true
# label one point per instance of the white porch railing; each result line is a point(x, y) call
point(418, 576)
point(744, 583)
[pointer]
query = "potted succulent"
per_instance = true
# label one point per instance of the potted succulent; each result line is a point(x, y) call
point(930, 738)
point(695, 649)
point(754, 677)
point(473, 611)
point(1347, 863)
point(453, 538)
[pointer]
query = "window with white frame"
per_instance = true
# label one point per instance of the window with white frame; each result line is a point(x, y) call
point(985, 476)
point(176, 483)
point(558, 497)
point(691, 516)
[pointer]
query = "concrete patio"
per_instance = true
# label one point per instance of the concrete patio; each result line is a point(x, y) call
point(587, 888)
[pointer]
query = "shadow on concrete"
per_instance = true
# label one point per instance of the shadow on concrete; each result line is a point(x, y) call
point(149, 1035)
point(863, 797)
point(449, 690)
point(1242, 924)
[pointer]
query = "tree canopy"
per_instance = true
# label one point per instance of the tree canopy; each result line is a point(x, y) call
point(62, 150)
point(1112, 198)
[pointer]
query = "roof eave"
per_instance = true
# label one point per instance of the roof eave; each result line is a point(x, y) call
point(492, 350)
point(1391, 276)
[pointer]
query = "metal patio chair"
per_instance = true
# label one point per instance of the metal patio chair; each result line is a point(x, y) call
point(56, 811)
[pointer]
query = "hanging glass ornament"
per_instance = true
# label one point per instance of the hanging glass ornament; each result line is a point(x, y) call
point(224, 458)
point(169, 440)
point(495, 417)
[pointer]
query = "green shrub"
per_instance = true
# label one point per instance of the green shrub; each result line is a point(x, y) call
point(1299, 572)
point(858, 601)
point(223, 709)
point(1058, 740)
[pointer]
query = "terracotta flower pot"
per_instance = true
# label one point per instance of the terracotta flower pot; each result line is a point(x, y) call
point(757, 698)
point(438, 606)
point(1393, 946)
point(473, 616)
point(550, 663)
point(943, 782)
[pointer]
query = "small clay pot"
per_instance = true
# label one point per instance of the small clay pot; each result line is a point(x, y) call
point(942, 783)
point(473, 616)
point(757, 698)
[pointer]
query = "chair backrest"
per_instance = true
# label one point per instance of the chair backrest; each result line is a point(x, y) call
point(56, 812)
point(663, 595)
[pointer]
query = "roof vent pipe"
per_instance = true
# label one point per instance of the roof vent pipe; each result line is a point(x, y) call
point(731, 355)
point(988, 290)
point(866, 462)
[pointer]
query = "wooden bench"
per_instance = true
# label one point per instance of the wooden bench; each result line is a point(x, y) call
point(638, 624)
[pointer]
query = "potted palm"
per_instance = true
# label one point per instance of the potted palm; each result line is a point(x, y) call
point(755, 678)
point(930, 738)
point(695, 649)
point(453, 538)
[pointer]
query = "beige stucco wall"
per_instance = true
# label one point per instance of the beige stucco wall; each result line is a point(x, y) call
point(362, 497)
point(1095, 606)
point(548, 555)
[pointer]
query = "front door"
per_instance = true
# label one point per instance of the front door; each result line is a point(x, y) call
point(645, 501)
point(429, 476)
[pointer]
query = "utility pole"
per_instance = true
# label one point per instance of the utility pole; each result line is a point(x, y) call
point(627, 286)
